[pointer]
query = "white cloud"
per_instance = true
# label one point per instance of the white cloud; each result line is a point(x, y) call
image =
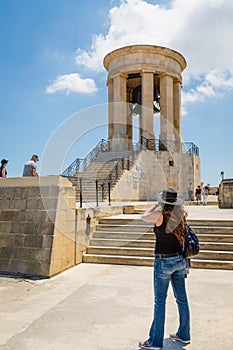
point(72, 83)
point(212, 85)
point(200, 29)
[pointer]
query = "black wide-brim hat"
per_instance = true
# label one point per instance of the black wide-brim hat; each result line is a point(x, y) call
point(169, 196)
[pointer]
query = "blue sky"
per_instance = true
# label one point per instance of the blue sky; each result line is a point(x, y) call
point(51, 56)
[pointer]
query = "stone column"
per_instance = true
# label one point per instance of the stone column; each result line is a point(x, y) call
point(166, 109)
point(120, 138)
point(147, 104)
point(110, 110)
point(177, 109)
point(129, 126)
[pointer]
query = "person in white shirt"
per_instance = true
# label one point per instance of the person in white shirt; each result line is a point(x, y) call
point(30, 166)
point(205, 193)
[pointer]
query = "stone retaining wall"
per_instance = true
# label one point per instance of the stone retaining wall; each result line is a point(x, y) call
point(37, 225)
point(41, 231)
point(225, 198)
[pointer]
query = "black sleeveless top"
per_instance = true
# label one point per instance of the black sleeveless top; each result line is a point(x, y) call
point(1, 169)
point(166, 242)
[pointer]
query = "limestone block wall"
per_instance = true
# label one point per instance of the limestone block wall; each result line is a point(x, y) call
point(82, 235)
point(225, 198)
point(37, 225)
point(155, 170)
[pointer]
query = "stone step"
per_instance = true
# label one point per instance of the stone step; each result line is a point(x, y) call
point(214, 255)
point(208, 223)
point(215, 237)
point(213, 229)
point(123, 235)
point(142, 227)
point(92, 176)
point(136, 251)
point(125, 228)
point(149, 261)
point(108, 242)
point(118, 260)
point(143, 235)
point(216, 246)
point(151, 243)
point(128, 240)
point(212, 264)
point(129, 251)
point(123, 221)
point(196, 224)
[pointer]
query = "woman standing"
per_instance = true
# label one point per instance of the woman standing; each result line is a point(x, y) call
point(169, 218)
point(205, 193)
point(3, 171)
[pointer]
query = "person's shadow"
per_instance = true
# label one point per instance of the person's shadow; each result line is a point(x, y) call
point(169, 344)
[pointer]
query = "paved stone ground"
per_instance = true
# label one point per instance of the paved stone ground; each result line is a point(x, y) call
point(107, 307)
point(208, 212)
point(212, 199)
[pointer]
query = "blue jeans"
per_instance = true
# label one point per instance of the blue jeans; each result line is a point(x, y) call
point(166, 270)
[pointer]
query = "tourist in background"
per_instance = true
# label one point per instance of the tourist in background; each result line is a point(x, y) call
point(30, 166)
point(3, 172)
point(169, 218)
point(198, 194)
point(205, 193)
point(190, 191)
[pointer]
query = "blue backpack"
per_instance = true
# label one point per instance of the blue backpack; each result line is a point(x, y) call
point(191, 244)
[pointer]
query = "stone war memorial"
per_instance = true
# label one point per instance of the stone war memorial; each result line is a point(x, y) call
point(146, 81)
point(91, 213)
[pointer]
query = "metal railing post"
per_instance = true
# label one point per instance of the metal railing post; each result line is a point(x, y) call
point(102, 187)
point(109, 193)
point(97, 194)
point(128, 162)
point(80, 192)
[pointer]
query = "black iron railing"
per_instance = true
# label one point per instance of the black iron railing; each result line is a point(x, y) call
point(73, 168)
point(103, 187)
point(115, 174)
point(80, 165)
point(190, 147)
point(171, 146)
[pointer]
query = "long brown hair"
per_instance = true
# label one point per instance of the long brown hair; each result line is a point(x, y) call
point(175, 219)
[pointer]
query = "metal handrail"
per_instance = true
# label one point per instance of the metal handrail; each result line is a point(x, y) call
point(172, 146)
point(190, 147)
point(80, 165)
point(72, 168)
point(115, 174)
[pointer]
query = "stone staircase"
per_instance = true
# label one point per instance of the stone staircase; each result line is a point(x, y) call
point(127, 240)
point(99, 169)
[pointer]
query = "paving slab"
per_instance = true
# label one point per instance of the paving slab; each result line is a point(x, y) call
point(109, 307)
point(195, 212)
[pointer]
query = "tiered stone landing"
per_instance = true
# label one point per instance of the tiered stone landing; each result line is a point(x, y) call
point(127, 240)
